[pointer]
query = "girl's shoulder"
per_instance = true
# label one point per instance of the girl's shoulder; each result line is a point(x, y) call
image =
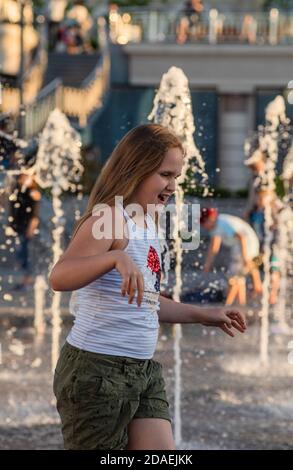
point(105, 227)
point(94, 236)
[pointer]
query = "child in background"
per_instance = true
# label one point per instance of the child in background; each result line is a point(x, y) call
point(236, 234)
point(24, 204)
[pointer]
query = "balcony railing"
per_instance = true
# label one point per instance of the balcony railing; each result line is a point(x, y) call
point(32, 80)
point(167, 26)
point(37, 113)
point(81, 102)
point(78, 103)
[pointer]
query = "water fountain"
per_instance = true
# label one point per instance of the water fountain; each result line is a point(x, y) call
point(172, 108)
point(276, 124)
point(284, 243)
point(13, 155)
point(284, 252)
point(287, 173)
point(58, 167)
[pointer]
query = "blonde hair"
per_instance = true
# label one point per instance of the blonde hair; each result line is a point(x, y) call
point(138, 155)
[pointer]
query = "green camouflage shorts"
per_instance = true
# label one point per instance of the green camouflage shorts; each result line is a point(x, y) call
point(98, 395)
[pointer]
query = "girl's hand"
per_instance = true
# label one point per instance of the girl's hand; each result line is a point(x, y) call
point(132, 278)
point(225, 318)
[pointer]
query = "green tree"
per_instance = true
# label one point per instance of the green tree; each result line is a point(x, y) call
point(132, 3)
point(281, 4)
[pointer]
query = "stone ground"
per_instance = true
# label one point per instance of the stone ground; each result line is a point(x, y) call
point(228, 400)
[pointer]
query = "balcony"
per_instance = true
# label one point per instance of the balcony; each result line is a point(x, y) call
point(230, 53)
point(171, 26)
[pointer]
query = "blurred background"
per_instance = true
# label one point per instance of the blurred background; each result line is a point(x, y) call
point(236, 55)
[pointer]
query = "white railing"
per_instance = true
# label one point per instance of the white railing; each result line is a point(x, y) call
point(37, 113)
point(31, 87)
point(81, 102)
point(133, 25)
point(78, 103)
point(32, 80)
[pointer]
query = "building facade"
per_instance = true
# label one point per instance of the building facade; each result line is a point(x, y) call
point(235, 63)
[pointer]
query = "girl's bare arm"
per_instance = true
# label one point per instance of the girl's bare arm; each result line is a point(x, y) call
point(88, 258)
point(225, 318)
point(85, 259)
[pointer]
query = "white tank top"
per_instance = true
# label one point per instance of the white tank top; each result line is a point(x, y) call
point(104, 321)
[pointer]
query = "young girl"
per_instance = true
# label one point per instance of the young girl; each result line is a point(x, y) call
point(110, 392)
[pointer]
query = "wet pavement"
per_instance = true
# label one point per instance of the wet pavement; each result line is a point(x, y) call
point(228, 400)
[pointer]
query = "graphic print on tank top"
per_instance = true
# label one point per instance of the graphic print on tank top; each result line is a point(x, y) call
point(152, 275)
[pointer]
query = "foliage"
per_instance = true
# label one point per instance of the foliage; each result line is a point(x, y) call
point(280, 190)
point(281, 4)
point(132, 3)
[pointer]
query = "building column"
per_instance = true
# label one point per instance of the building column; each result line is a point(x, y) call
point(236, 120)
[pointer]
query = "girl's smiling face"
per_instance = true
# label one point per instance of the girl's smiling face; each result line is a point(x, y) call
point(158, 187)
